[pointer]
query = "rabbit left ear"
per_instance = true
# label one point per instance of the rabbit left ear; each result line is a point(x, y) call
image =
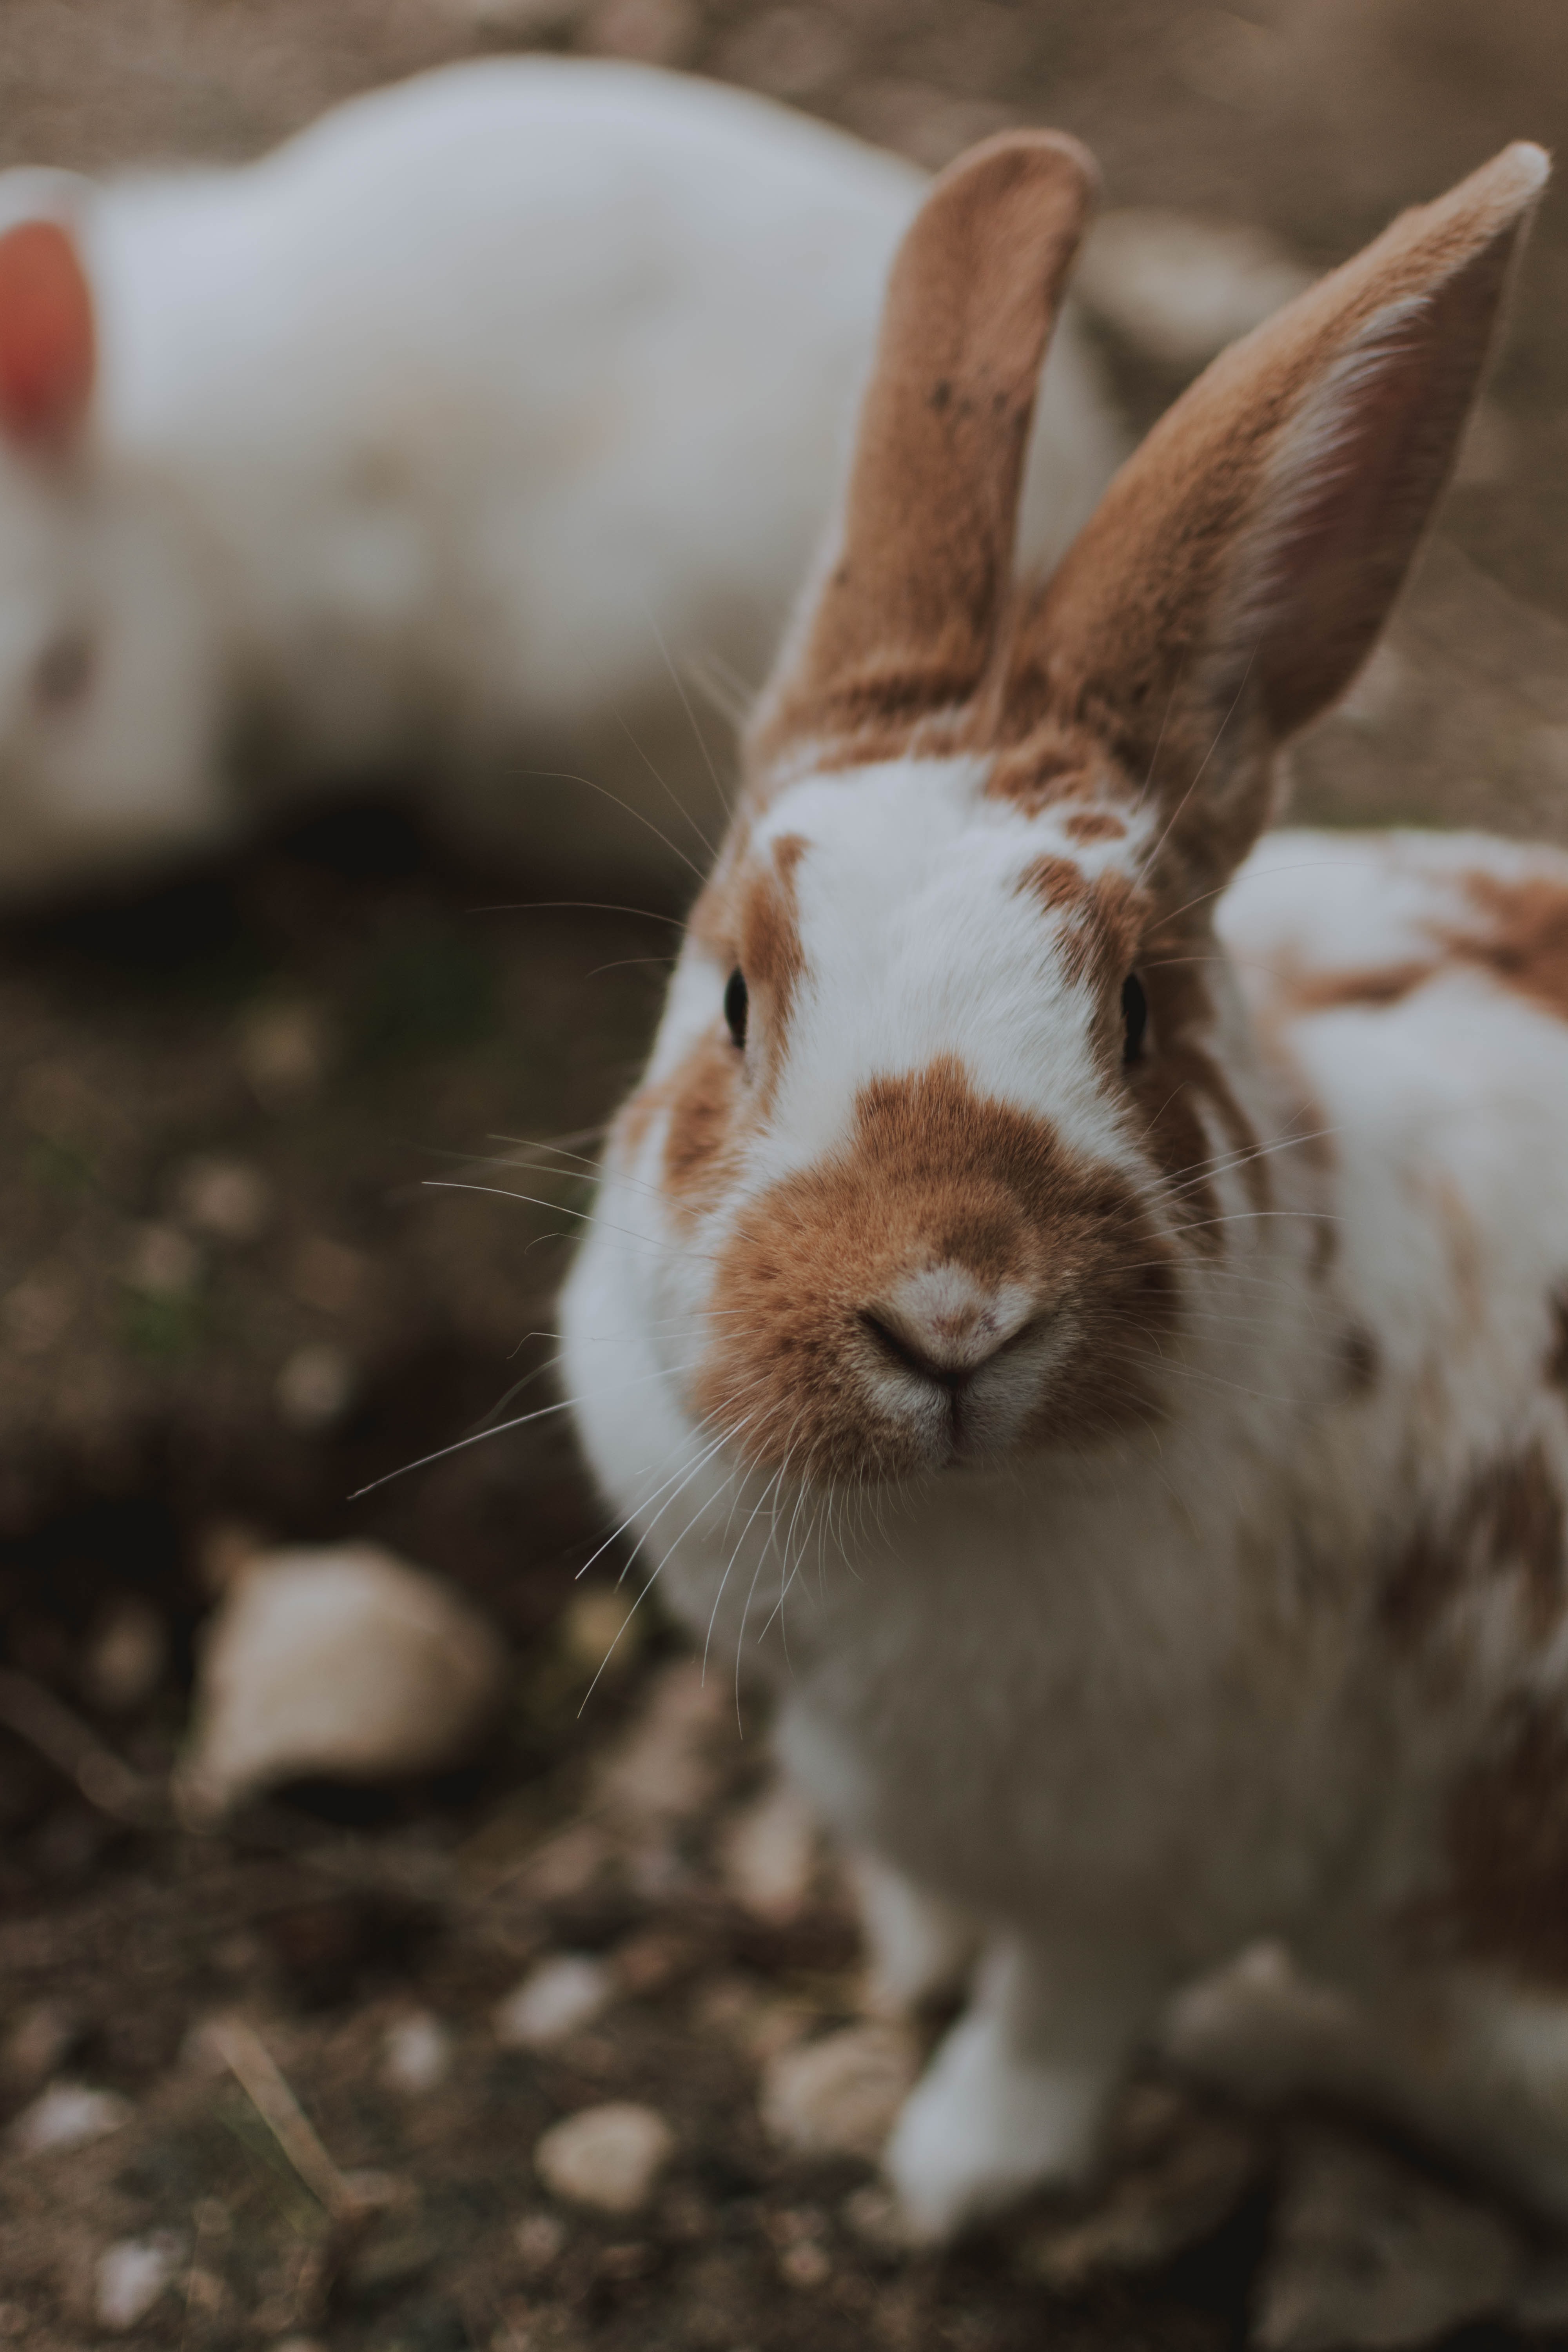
point(1244, 559)
point(904, 620)
point(46, 339)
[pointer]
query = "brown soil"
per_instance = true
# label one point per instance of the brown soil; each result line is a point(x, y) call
point(334, 1014)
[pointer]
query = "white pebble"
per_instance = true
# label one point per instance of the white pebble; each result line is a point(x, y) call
point(605, 2157)
point(131, 2276)
point(838, 2095)
point(553, 2000)
point(344, 1662)
point(418, 2053)
point(67, 2114)
point(769, 1853)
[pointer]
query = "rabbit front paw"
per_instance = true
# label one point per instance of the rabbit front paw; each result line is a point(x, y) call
point(986, 2124)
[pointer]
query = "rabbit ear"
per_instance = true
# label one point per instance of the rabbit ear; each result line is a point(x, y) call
point(1246, 557)
point(47, 340)
point(903, 621)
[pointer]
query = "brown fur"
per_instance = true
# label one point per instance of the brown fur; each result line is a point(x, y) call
point(1506, 1838)
point(700, 1141)
point(1508, 1520)
point(904, 624)
point(934, 1173)
point(1182, 1075)
point(1093, 824)
point(1526, 941)
point(1169, 608)
point(1377, 986)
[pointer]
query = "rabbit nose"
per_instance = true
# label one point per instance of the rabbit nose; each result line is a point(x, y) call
point(944, 1323)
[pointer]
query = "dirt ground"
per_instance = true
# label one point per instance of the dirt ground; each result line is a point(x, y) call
point(329, 1022)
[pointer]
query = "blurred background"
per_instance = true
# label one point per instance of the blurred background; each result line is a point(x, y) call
point(229, 1299)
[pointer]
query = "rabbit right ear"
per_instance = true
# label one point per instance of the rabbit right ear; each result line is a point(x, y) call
point(1242, 564)
point(903, 622)
point(47, 338)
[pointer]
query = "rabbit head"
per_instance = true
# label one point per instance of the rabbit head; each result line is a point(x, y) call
point(953, 1095)
point(106, 657)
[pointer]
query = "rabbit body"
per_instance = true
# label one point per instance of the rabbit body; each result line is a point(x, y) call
point(1103, 1359)
point(457, 425)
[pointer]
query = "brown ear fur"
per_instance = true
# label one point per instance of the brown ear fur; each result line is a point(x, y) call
point(47, 340)
point(1249, 551)
point(904, 623)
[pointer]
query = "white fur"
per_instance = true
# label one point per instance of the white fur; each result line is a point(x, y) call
point(453, 425)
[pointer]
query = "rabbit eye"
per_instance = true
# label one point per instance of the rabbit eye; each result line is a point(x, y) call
point(735, 1005)
point(1134, 1018)
point(63, 671)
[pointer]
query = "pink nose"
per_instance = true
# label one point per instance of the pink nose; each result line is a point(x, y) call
point(944, 1324)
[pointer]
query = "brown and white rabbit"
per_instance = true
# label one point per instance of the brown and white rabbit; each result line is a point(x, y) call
point(1081, 1299)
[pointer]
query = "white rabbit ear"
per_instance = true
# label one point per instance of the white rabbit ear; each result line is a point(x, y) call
point(47, 345)
point(902, 622)
point(1246, 557)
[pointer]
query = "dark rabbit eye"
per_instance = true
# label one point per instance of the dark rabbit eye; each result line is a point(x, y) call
point(1134, 1017)
point(64, 669)
point(735, 1003)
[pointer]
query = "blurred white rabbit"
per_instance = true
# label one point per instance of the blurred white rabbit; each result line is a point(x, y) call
point(445, 438)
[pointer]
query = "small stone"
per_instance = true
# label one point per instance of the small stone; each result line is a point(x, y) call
point(1179, 290)
point(838, 2095)
point(162, 1262)
point(553, 1999)
point(315, 1388)
point(1367, 2252)
point(226, 1200)
point(125, 1657)
point(130, 2277)
point(417, 2056)
point(67, 2114)
point(609, 2158)
point(283, 1052)
point(539, 2239)
point(664, 1770)
point(339, 1661)
point(769, 1855)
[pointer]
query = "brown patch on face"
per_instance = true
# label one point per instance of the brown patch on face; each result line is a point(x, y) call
point(1093, 824)
point(1181, 1075)
point(1506, 1841)
point(934, 1174)
point(1103, 916)
point(699, 1143)
point(1526, 945)
point(1508, 1520)
point(1557, 1357)
point(767, 950)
